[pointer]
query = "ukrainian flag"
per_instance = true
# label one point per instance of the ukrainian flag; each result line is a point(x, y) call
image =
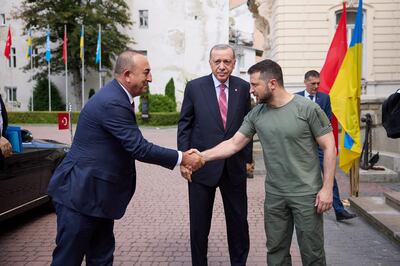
point(29, 42)
point(345, 98)
point(81, 44)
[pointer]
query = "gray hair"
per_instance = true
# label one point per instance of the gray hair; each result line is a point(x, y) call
point(124, 61)
point(223, 47)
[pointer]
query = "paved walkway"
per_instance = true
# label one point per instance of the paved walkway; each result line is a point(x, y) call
point(155, 228)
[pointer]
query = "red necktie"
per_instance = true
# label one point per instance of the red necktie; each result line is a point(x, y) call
point(223, 108)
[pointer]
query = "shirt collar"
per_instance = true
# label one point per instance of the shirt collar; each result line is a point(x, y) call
point(217, 82)
point(127, 92)
point(306, 94)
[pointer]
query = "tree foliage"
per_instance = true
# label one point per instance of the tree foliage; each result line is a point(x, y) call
point(112, 15)
point(170, 89)
point(41, 97)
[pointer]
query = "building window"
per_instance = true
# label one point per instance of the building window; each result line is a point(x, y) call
point(350, 22)
point(2, 19)
point(35, 58)
point(11, 94)
point(240, 60)
point(143, 52)
point(13, 58)
point(143, 18)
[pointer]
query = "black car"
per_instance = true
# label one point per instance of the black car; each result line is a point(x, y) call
point(24, 176)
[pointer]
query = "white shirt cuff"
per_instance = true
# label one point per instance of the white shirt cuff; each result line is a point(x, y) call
point(179, 158)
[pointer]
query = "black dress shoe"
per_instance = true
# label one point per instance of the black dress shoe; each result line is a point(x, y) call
point(345, 215)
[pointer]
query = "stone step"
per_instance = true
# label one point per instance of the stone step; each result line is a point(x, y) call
point(392, 198)
point(379, 214)
point(383, 175)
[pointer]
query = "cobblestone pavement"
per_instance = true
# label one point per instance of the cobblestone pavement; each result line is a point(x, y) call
point(155, 228)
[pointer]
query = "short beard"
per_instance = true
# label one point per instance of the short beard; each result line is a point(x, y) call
point(266, 98)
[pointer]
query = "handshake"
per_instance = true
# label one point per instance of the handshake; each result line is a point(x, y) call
point(192, 160)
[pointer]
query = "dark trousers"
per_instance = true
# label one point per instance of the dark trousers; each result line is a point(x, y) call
point(337, 203)
point(80, 235)
point(201, 201)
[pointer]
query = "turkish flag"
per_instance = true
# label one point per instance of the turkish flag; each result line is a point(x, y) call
point(7, 49)
point(63, 121)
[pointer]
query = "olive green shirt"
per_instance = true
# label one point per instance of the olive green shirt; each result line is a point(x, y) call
point(288, 139)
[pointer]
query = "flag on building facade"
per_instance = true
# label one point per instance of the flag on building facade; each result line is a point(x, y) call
point(29, 43)
point(98, 48)
point(64, 52)
point(81, 44)
point(345, 97)
point(335, 55)
point(7, 49)
point(48, 52)
point(333, 61)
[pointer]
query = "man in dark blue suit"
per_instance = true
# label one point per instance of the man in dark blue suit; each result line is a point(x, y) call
point(311, 81)
point(212, 111)
point(5, 146)
point(95, 182)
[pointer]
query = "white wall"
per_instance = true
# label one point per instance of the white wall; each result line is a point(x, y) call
point(178, 39)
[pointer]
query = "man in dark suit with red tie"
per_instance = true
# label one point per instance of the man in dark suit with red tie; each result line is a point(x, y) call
point(212, 111)
point(95, 182)
point(311, 81)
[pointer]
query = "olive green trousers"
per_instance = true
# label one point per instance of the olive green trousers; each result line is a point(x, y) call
point(284, 213)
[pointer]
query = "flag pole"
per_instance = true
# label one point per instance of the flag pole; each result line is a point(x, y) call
point(48, 67)
point(66, 68)
point(31, 61)
point(83, 66)
point(100, 85)
point(70, 120)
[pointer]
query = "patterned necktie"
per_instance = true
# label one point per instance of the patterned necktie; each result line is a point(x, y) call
point(223, 109)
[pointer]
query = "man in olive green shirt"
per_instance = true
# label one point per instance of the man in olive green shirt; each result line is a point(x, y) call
point(289, 128)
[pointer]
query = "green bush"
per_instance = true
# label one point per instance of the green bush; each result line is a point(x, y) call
point(159, 119)
point(155, 119)
point(170, 89)
point(41, 97)
point(37, 117)
point(159, 103)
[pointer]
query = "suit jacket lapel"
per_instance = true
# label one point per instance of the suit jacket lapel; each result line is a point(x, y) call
point(123, 95)
point(210, 95)
point(318, 99)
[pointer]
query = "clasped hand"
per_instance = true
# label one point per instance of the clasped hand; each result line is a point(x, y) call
point(5, 147)
point(192, 160)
